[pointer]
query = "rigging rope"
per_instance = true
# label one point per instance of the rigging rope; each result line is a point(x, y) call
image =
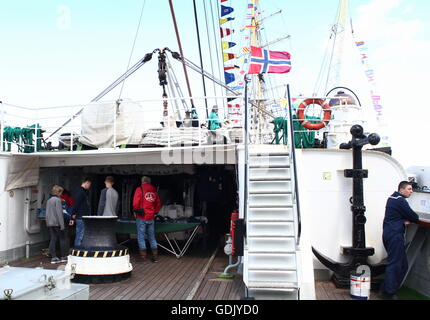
point(216, 32)
point(209, 44)
point(134, 44)
point(200, 54)
point(172, 10)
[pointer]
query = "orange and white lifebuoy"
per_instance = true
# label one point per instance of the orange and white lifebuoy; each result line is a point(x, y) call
point(314, 126)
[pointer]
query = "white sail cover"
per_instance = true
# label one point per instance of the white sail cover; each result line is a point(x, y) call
point(23, 172)
point(98, 124)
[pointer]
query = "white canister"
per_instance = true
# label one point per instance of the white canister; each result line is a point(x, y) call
point(360, 287)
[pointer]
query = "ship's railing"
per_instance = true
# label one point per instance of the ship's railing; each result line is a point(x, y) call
point(22, 121)
point(25, 129)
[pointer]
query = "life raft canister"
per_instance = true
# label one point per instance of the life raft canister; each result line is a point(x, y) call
point(314, 126)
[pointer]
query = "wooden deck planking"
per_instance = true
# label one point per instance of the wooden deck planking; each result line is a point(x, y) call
point(190, 280)
point(124, 285)
point(227, 291)
point(221, 289)
point(173, 279)
point(180, 268)
point(213, 288)
point(178, 281)
point(183, 287)
point(326, 290)
point(135, 280)
point(145, 277)
point(157, 282)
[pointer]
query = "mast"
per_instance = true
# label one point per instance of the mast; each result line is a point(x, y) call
point(338, 34)
point(257, 81)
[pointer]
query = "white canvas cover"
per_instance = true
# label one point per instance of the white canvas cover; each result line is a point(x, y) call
point(98, 124)
point(23, 172)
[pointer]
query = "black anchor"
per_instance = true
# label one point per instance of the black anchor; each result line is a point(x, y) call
point(358, 253)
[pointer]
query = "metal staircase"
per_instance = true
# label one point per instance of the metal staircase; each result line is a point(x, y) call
point(271, 251)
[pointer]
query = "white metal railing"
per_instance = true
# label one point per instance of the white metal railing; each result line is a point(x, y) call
point(147, 115)
point(150, 116)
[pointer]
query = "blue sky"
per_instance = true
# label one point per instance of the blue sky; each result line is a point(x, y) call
point(60, 52)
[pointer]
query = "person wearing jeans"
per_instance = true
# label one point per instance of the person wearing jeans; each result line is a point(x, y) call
point(146, 227)
point(146, 204)
point(80, 209)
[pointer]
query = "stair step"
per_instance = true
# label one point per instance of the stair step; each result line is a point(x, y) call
point(274, 166)
point(271, 261)
point(272, 285)
point(286, 213)
point(264, 251)
point(269, 192)
point(269, 174)
point(254, 220)
point(265, 161)
point(270, 200)
point(268, 236)
point(272, 269)
point(265, 244)
point(271, 228)
point(270, 187)
point(272, 276)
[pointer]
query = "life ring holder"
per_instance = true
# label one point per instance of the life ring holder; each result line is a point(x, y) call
point(314, 126)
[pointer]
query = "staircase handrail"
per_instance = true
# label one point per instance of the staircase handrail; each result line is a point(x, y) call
point(292, 148)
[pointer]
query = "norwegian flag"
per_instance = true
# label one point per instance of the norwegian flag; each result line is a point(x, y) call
point(265, 61)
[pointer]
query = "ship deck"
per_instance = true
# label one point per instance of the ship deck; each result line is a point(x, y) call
point(193, 277)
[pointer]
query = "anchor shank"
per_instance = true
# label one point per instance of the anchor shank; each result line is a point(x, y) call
point(358, 208)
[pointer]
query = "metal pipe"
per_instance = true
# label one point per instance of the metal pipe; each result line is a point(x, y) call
point(245, 186)
point(293, 154)
point(231, 266)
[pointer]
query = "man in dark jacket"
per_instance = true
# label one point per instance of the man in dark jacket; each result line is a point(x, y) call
point(81, 208)
point(398, 214)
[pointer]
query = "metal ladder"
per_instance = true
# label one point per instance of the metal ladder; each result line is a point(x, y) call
point(271, 262)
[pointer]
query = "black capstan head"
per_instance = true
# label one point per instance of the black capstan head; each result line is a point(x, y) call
point(357, 131)
point(374, 139)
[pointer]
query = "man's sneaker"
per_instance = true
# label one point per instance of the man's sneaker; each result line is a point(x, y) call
point(55, 260)
point(63, 259)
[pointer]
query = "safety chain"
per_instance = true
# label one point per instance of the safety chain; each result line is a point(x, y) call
point(8, 294)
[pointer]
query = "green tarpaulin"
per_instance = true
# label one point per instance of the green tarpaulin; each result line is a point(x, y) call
point(129, 227)
point(303, 138)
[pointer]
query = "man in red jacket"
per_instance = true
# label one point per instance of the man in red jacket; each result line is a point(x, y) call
point(146, 204)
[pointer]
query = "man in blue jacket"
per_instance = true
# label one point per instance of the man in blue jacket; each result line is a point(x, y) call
point(398, 214)
point(81, 208)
